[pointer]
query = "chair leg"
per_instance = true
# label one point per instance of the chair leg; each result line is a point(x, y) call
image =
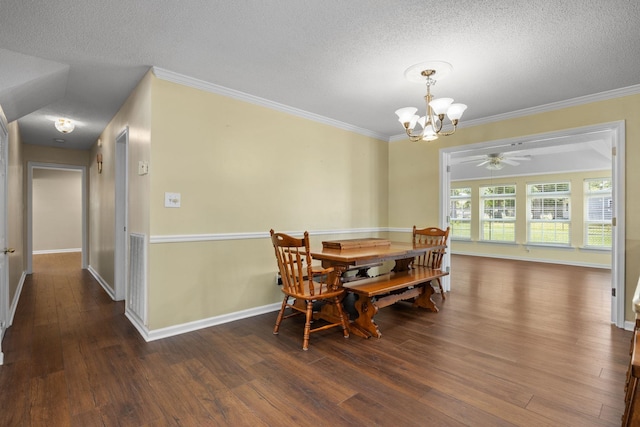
point(343, 317)
point(307, 326)
point(441, 289)
point(280, 315)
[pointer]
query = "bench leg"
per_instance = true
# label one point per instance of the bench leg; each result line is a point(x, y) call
point(364, 325)
point(424, 299)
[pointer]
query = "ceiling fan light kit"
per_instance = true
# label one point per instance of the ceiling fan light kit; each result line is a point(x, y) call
point(497, 161)
point(436, 109)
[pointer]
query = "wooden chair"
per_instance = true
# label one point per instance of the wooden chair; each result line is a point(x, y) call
point(432, 259)
point(301, 281)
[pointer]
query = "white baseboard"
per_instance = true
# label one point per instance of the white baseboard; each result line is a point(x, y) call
point(56, 251)
point(102, 283)
point(629, 326)
point(542, 260)
point(152, 335)
point(199, 324)
point(12, 312)
point(14, 303)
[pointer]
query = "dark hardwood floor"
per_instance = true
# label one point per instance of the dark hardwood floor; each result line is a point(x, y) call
point(514, 344)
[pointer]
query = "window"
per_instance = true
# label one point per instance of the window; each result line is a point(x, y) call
point(598, 207)
point(498, 213)
point(460, 213)
point(549, 213)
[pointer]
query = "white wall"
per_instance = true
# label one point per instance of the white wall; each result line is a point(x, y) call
point(57, 210)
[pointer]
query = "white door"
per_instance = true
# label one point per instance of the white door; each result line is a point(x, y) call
point(4, 265)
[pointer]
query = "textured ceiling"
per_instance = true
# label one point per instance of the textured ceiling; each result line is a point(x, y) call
point(343, 60)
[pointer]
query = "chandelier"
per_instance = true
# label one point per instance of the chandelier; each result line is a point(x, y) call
point(432, 122)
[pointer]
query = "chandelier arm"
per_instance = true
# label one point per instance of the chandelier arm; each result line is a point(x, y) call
point(451, 132)
point(412, 137)
point(439, 127)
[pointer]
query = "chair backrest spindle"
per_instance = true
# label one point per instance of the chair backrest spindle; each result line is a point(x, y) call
point(430, 236)
point(294, 262)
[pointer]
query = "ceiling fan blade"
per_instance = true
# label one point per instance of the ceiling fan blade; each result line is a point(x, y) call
point(471, 159)
point(520, 158)
point(483, 163)
point(510, 161)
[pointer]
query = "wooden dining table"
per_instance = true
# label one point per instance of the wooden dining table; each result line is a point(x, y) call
point(344, 255)
point(361, 255)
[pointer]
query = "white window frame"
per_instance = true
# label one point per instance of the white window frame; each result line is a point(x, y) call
point(466, 197)
point(503, 219)
point(563, 219)
point(602, 194)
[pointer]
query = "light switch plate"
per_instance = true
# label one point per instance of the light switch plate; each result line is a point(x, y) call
point(171, 200)
point(143, 167)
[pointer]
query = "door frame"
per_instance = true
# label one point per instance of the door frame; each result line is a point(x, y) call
point(4, 277)
point(615, 131)
point(121, 245)
point(85, 233)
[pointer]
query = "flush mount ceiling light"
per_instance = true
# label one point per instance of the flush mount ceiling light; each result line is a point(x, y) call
point(432, 122)
point(64, 125)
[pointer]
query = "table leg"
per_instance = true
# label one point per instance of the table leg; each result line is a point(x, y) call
point(364, 325)
point(424, 299)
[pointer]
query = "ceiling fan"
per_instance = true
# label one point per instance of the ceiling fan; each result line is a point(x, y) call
point(496, 161)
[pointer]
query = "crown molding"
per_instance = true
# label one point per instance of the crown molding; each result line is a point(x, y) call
point(581, 100)
point(173, 77)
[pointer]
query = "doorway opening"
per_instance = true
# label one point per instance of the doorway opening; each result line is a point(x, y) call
point(614, 134)
point(50, 168)
point(57, 210)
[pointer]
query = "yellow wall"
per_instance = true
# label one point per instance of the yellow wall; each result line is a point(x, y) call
point(245, 168)
point(242, 168)
point(414, 179)
point(63, 156)
point(572, 255)
point(136, 115)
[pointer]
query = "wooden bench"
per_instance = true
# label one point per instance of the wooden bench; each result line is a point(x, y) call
point(381, 291)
